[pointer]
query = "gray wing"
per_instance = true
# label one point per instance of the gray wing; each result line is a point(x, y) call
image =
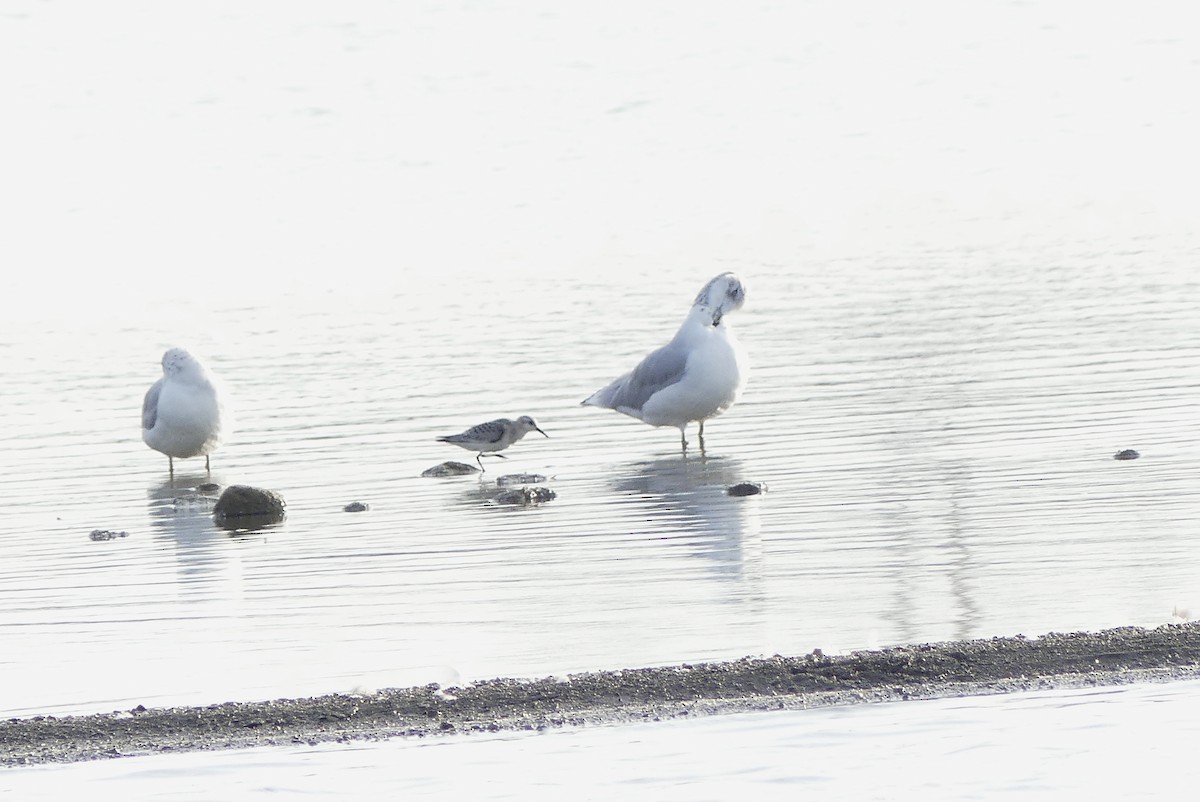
point(150, 405)
point(659, 369)
point(490, 432)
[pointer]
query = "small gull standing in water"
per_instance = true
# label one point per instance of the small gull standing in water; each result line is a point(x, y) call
point(183, 411)
point(696, 376)
point(495, 435)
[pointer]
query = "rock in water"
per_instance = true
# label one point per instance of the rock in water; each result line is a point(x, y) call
point(107, 534)
point(450, 468)
point(243, 504)
point(746, 489)
point(525, 496)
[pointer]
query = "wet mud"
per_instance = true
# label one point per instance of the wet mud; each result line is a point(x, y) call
point(959, 668)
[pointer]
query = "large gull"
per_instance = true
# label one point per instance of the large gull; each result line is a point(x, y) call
point(183, 412)
point(696, 376)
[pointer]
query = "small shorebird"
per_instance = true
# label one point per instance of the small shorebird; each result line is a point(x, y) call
point(495, 435)
point(182, 412)
point(696, 376)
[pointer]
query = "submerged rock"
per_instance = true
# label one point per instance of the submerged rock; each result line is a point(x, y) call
point(525, 496)
point(209, 487)
point(1128, 453)
point(244, 506)
point(356, 506)
point(450, 468)
point(510, 479)
point(193, 501)
point(746, 489)
point(107, 534)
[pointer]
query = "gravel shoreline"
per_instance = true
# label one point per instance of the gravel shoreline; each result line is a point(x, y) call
point(957, 668)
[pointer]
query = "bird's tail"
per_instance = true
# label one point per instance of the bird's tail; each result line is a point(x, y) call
point(600, 398)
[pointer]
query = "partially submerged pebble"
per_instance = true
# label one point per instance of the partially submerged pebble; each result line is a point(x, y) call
point(209, 487)
point(106, 534)
point(356, 506)
point(241, 502)
point(525, 496)
point(450, 468)
point(510, 479)
point(193, 501)
point(1128, 453)
point(746, 489)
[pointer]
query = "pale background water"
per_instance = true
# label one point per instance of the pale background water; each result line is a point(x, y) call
point(968, 235)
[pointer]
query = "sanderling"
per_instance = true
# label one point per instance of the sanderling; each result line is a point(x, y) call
point(696, 376)
point(495, 435)
point(183, 411)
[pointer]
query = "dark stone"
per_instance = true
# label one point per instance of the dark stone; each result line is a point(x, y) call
point(525, 496)
point(1128, 453)
point(450, 468)
point(106, 534)
point(209, 487)
point(746, 489)
point(356, 506)
point(241, 503)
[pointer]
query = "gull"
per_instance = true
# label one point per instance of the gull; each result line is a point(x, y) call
point(495, 435)
point(182, 412)
point(696, 376)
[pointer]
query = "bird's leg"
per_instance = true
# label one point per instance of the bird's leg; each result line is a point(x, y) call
point(702, 439)
point(683, 439)
point(171, 466)
point(209, 469)
point(479, 459)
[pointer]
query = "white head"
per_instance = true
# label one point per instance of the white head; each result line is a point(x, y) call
point(721, 295)
point(177, 361)
point(526, 424)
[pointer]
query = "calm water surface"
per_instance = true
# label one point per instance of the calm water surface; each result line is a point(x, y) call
point(972, 279)
point(926, 481)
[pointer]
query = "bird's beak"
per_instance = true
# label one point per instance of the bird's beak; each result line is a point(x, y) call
point(717, 316)
point(543, 433)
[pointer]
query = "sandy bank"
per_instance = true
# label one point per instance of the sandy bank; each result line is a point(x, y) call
point(997, 665)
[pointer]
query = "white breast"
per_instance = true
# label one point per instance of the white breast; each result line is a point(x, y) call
point(712, 382)
point(189, 419)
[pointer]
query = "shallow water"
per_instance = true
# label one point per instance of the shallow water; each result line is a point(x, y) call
point(965, 295)
point(1109, 743)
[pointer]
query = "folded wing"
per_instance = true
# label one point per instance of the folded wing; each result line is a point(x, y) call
point(629, 394)
point(150, 406)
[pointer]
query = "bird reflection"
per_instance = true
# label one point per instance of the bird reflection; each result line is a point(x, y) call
point(690, 505)
point(181, 517)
